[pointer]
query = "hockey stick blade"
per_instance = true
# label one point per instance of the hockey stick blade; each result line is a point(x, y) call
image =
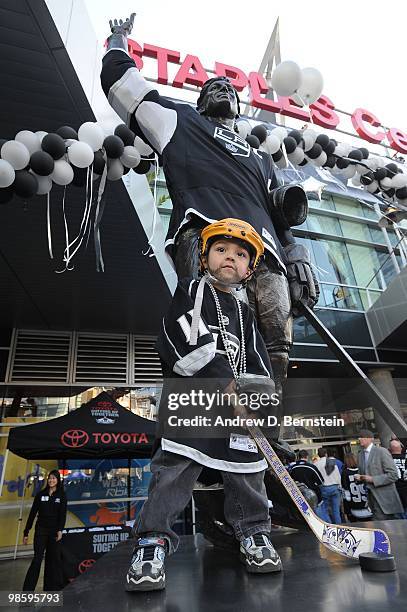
point(345, 540)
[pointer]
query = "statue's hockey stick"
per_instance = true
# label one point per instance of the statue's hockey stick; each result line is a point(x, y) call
point(343, 539)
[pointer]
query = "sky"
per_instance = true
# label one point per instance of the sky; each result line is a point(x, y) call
point(359, 47)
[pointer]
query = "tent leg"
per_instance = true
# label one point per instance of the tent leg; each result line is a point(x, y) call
point(20, 518)
point(3, 473)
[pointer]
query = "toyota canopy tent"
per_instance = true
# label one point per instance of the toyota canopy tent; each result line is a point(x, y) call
point(100, 429)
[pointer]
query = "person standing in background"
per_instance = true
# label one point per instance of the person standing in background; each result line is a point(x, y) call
point(354, 493)
point(330, 489)
point(50, 505)
point(399, 457)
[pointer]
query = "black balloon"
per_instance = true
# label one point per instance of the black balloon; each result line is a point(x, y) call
point(114, 146)
point(125, 170)
point(296, 134)
point(290, 144)
point(98, 163)
point(323, 140)
point(392, 169)
point(380, 174)
point(79, 176)
point(42, 163)
point(315, 151)
point(401, 193)
point(342, 163)
point(389, 192)
point(367, 178)
point(330, 161)
point(143, 167)
point(365, 152)
point(355, 154)
point(6, 195)
point(253, 141)
point(54, 145)
point(277, 155)
point(25, 184)
point(330, 148)
point(66, 132)
point(304, 162)
point(125, 133)
point(260, 131)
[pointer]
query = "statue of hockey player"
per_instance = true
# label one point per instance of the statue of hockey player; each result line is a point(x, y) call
point(212, 173)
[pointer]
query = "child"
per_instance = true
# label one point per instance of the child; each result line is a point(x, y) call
point(209, 334)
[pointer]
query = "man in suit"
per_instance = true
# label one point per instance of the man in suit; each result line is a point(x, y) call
point(378, 472)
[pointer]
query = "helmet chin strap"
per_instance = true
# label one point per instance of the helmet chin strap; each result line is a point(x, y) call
point(213, 279)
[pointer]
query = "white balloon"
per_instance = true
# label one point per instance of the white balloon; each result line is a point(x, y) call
point(29, 139)
point(92, 134)
point(142, 147)
point(286, 78)
point(385, 183)
point(280, 132)
point(40, 135)
point(115, 169)
point(320, 160)
point(16, 153)
point(63, 172)
point(356, 181)
point(244, 128)
point(131, 157)
point(297, 156)
point(399, 180)
point(340, 150)
point(349, 172)
point(44, 184)
point(309, 136)
point(7, 174)
point(372, 187)
point(310, 88)
point(271, 144)
point(80, 154)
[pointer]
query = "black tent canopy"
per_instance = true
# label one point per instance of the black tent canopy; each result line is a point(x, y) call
point(100, 429)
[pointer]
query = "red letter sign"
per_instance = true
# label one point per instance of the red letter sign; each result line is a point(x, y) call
point(184, 76)
point(135, 52)
point(236, 76)
point(290, 108)
point(163, 57)
point(322, 112)
point(258, 86)
point(359, 116)
point(397, 140)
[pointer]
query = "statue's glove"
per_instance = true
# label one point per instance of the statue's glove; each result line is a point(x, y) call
point(257, 394)
point(120, 30)
point(304, 287)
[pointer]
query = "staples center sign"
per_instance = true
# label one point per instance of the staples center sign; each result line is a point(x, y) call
point(323, 113)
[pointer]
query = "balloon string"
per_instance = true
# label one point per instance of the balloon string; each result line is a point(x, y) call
point(49, 226)
point(100, 266)
point(155, 213)
point(66, 230)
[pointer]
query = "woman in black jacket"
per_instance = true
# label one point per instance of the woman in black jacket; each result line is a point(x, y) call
point(50, 505)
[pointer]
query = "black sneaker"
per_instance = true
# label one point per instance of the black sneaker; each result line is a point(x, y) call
point(147, 570)
point(259, 555)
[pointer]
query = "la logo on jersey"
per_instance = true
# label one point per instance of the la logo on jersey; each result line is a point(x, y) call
point(232, 142)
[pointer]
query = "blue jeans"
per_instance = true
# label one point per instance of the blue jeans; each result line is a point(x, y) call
point(329, 509)
point(171, 485)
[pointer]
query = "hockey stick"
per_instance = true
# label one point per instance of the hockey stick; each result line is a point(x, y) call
point(342, 539)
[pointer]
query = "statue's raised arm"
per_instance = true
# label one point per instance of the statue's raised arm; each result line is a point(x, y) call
point(120, 30)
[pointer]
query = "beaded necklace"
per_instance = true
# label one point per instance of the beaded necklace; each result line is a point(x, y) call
point(224, 336)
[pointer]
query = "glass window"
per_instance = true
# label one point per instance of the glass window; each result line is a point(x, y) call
point(333, 263)
point(336, 296)
point(356, 231)
point(365, 264)
point(388, 271)
point(326, 202)
point(324, 225)
point(377, 235)
point(349, 207)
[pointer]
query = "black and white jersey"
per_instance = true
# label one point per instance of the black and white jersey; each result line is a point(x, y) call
point(306, 472)
point(205, 365)
point(211, 172)
point(400, 462)
point(354, 494)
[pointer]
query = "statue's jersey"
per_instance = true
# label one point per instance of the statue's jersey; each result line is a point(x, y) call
point(211, 172)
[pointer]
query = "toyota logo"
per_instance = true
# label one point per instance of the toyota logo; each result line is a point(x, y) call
point(85, 565)
point(74, 438)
